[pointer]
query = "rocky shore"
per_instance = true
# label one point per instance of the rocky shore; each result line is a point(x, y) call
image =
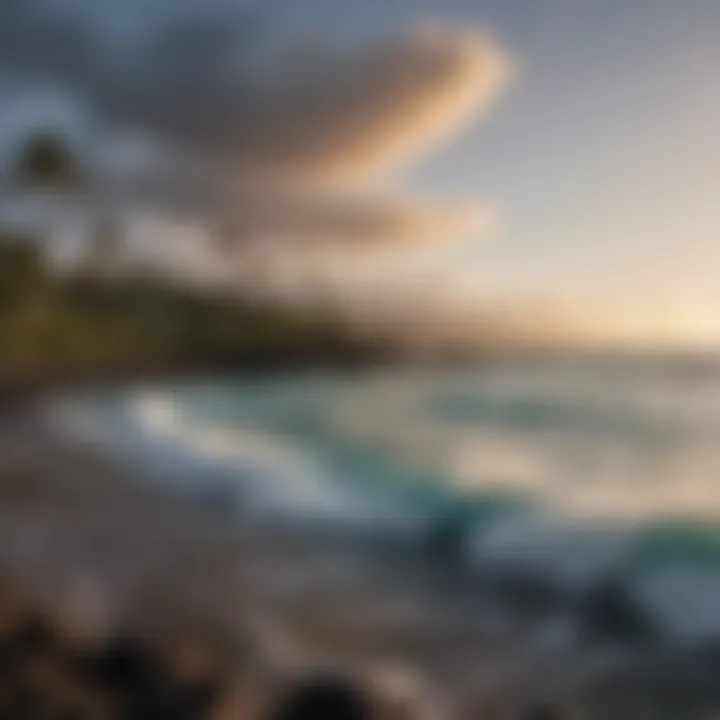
point(122, 599)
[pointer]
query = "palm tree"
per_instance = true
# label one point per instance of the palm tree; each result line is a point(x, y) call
point(47, 163)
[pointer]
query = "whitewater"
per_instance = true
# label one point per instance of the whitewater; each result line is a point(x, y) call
point(571, 472)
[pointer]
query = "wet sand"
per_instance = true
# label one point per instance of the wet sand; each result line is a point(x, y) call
point(225, 612)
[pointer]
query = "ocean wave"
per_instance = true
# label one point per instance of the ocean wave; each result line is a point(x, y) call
point(592, 496)
point(275, 477)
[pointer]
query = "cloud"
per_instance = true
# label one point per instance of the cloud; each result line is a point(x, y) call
point(370, 223)
point(302, 220)
point(331, 115)
point(293, 140)
point(438, 314)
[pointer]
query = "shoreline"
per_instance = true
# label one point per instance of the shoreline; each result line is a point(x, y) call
point(99, 552)
point(19, 386)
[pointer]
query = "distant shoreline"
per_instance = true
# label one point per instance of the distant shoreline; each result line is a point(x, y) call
point(18, 386)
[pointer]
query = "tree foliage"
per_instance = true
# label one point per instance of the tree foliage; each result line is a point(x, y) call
point(49, 322)
point(47, 161)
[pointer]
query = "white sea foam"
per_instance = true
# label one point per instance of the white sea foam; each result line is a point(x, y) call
point(595, 460)
point(277, 479)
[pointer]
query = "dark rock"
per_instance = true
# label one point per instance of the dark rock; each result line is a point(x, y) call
point(29, 639)
point(543, 712)
point(609, 612)
point(120, 664)
point(528, 589)
point(142, 689)
point(326, 698)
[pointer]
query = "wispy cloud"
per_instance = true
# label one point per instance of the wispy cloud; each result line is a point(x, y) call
point(293, 141)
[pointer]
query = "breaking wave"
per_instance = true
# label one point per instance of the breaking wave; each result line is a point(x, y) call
point(569, 474)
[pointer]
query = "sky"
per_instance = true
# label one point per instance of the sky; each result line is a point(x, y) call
point(461, 155)
point(603, 155)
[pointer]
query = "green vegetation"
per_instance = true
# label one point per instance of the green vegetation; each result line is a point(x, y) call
point(91, 322)
point(51, 324)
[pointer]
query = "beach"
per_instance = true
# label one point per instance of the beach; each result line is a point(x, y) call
point(235, 610)
point(359, 361)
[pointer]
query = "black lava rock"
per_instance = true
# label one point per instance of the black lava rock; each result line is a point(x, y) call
point(324, 698)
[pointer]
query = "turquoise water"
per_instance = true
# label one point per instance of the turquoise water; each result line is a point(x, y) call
point(576, 468)
point(602, 442)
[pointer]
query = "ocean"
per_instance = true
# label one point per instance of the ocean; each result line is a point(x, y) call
point(575, 471)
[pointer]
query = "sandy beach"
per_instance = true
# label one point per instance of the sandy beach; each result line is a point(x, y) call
point(234, 611)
